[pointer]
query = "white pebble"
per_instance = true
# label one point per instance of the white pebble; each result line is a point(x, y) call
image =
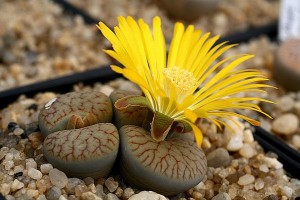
point(247, 151)
point(16, 185)
point(287, 191)
point(18, 131)
point(9, 156)
point(5, 188)
point(90, 196)
point(264, 168)
point(296, 141)
point(285, 124)
point(34, 173)
point(147, 195)
point(8, 164)
point(297, 108)
point(272, 162)
point(58, 178)
point(30, 163)
point(259, 184)
point(235, 143)
point(234, 135)
point(111, 196)
point(45, 168)
point(41, 197)
point(246, 179)
point(285, 103)
point(248, 136)
point(61, 197)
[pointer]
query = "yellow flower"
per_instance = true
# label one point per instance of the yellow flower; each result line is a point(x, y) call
point(179, 86)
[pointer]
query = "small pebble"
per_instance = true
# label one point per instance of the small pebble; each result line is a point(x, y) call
point(285, 124)
point(119, 192)
point(88, 180)
point(46, 168)
point(16, 185)
point(111, 184)
point(221, 196)
point(41, 197)
point(53, 193)
point(90, 196)
point(297, 108)
point(128, 192)
point(218, 158)
point(147, 195)
point(234, 135)
point(30, 163)
point(111, 196)
point(80, 189)
point(62, 198)
point(36, 139)
point(296, 141)
point(273, 162)
point(287, 191)
point(58, 178)
point(247, 151)
point(246, 179)
point(34, 173)
point(248, 136)
point(18, 131)
point(259, 184)
point(264, 168)
point(92, 188)
point(5, 189)
point(72, 183)
point(8, 165)
point(99, 191)
point(196, 195)
point(32, 193)
point(285, 103)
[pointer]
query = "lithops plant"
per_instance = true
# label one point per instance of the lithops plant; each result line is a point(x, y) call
point(168, 167)
point(89, 151)
point(155, 151)
point(78, 141)
point(179, 89)
point(75, 110)
point(129, 115)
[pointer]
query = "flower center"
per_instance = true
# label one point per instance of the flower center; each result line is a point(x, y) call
point(181, 78)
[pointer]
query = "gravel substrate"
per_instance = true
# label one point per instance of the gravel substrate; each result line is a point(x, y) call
point(286, 111)
point(230, 16)
point(38, 41)
point(238, 166)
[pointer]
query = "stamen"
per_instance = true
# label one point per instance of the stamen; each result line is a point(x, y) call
point(181, 78)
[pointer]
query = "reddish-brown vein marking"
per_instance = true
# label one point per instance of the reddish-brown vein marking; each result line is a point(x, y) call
point(95, 144)
point(184, 156)
point(71, 103)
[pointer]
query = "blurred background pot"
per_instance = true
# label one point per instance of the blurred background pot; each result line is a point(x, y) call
point(189, 9)
point(287, 64)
